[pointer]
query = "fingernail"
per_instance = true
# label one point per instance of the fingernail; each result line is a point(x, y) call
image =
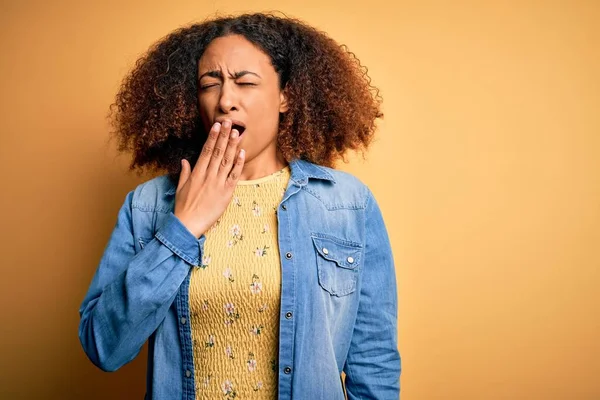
point(242, 152)
point(227, 124)
point(217, 126)
point(234, 133)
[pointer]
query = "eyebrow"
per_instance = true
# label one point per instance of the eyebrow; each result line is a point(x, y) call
point(219, 74)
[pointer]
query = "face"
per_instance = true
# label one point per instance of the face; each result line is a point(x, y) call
point(238, 82)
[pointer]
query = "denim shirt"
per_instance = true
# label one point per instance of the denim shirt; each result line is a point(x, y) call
point(338, 291)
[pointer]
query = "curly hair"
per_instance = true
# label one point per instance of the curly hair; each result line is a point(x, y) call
point(332, 104)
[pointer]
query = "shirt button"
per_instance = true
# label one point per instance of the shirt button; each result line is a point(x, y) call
point(289, 315)
point(183, 320)
point(325, 251)
point(188, 373)
point(287, 370)
point(350, 260)
point(288, 255)
point(283, 207)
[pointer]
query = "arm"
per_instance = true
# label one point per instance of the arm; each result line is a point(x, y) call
point(130, 293)
point(373, 364)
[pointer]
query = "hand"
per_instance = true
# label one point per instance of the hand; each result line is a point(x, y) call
point(204, 193)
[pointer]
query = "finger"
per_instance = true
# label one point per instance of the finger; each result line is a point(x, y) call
point(184, 174)
point(229, 156)
point(236, 172)
point(207, 149)
point(219, 150)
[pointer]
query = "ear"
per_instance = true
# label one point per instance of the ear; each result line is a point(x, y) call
point(283, 101)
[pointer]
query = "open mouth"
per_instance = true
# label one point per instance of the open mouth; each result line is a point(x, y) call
point(239, 128)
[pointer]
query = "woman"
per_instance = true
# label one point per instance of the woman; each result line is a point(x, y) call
point(252, 268)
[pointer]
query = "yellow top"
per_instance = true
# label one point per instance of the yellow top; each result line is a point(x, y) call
point(234, 296)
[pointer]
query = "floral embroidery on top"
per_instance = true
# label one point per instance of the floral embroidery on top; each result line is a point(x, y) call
point(229, 352)
point(205, 261)
point(228, 390)
point(256, 285)
point(261, 252)
point(227, 274)
point(236, 233)
point(256, 329)
point(210, 342)
point(230, 313)
point(236, 357)
point(255, 209)
point(251, 363)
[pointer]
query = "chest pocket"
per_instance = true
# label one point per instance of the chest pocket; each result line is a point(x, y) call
point(338, 264)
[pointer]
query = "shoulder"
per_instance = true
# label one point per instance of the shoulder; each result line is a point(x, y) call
point(340, 187)
point(153, 194)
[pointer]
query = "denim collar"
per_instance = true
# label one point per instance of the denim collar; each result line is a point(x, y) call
point(301, 171)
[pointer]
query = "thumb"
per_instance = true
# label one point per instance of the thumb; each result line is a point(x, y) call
point(185, 173)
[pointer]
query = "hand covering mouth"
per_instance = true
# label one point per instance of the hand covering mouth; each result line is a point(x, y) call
point(239, 125)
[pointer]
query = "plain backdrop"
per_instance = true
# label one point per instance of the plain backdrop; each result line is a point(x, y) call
point(486, 167)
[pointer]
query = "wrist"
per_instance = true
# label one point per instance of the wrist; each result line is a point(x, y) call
point(196, 229)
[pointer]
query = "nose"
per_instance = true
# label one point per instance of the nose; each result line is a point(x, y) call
point(228, 98)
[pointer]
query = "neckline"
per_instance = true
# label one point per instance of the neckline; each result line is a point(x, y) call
point(262, 179)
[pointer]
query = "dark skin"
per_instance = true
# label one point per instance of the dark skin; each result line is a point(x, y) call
point(238, 87)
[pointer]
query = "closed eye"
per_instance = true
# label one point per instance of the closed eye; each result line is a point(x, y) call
point(246, 84)
point(208, 86)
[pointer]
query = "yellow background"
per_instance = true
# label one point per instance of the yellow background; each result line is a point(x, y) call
point(486, 167)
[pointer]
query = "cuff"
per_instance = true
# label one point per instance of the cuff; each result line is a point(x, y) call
point(180, 240)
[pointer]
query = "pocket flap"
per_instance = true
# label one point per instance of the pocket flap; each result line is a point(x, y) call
point(344, 254)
